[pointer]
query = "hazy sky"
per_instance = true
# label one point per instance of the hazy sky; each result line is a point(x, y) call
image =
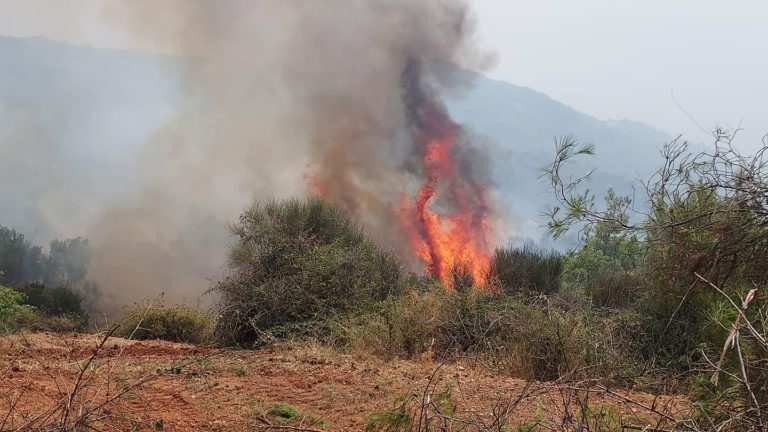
point(611, 59)
point(622, 59)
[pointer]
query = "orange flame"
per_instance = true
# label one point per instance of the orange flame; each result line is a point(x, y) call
point(447, 221)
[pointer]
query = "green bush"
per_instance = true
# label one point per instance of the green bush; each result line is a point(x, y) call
point(57, 310)
point(295, 265)
point(527, 270)
point(12, 309)
point(34, 321)
point(178, 323)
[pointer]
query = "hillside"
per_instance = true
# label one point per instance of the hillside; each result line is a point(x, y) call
point(523, 124)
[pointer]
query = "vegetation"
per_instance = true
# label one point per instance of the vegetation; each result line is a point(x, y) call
point(62, 311)
point(155, 320)
point(654, 295)
point(282, 415)
point(663, 294)
point(54, 285)
point(12, 309)
point(297, 264)
point(527, 270)
point(694, 261)
point(66, 263)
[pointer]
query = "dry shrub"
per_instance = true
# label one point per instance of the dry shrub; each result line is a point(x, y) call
point(614, 288)
point(177, 323)
point(406, 326)
point(563, 405)
point(527, 270)
point(532, 339)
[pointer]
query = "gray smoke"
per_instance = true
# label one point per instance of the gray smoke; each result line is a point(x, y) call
point(269, 87)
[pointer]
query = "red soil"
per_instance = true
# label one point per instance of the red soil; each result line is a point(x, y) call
point(162, 385)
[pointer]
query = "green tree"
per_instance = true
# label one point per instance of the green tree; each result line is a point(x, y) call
point(706, 235)
point(19, 260)
point(67, 262)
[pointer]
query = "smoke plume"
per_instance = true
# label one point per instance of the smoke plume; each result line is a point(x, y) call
point(285, 98)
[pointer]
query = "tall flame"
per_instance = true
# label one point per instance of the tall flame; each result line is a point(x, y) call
point(447, 221)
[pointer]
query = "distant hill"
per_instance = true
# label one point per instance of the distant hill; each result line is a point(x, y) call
point(522, 124)
point(108, 102)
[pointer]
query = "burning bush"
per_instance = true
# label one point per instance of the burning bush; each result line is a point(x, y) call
point(295, 265)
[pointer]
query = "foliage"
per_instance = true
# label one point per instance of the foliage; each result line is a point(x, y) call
point(65, 265)
point(20, 261)
point(527, 270)
point(46, 309)
point(607, 266)
point(67, 262)
point(705, 238)
point(533, 339)
point(295, 263)
point(12, 309)
point(56, 301)
point(177, 323)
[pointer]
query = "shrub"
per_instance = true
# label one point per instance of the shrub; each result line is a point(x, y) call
point(537, 341)
point(12, 309)
point(613, 288)
point(56, 301)
point(527, 270)
point(285, 415)
point(406, 326)
point(58, 310)
point(178, 323)
point(295, 265)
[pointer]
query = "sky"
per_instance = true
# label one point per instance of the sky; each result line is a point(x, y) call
point(679, 65)
point(684, 66)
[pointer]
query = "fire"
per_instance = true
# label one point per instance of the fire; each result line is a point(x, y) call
point(447, 221)
point(311, 180)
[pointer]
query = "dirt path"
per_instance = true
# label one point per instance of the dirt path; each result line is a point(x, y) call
point(154, 385)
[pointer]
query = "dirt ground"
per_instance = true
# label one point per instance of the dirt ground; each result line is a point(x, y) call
point(47, 380)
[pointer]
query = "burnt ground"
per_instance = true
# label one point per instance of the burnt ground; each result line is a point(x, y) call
point(46, 380)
